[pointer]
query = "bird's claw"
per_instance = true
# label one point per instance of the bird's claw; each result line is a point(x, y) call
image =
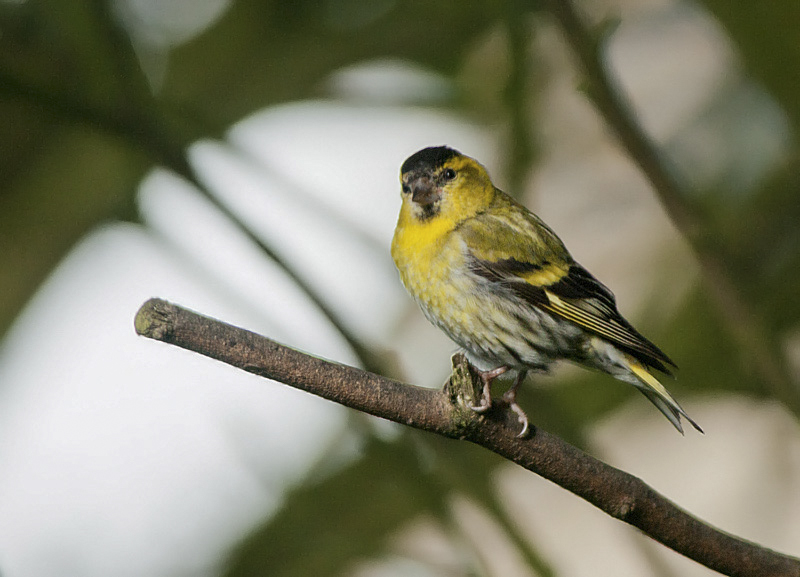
point(486, 394)
point(511, 398)
point(483, 406)
point(523, 418)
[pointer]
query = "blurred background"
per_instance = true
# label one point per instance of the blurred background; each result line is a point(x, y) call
point(240, 158)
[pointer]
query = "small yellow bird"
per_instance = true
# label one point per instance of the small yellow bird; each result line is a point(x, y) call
point(503, 286)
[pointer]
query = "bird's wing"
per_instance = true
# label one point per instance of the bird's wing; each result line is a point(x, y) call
point(518, 251)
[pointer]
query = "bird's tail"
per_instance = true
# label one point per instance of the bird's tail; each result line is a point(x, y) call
point(658, 395)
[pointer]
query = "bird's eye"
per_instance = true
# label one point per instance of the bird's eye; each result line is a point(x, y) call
point(449, 174)
point(406, 188)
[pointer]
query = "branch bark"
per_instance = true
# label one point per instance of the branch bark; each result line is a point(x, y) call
point(447, 413)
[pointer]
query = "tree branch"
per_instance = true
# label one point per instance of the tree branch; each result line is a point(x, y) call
point(447, 413)
point(163, 133)
point(601, 87)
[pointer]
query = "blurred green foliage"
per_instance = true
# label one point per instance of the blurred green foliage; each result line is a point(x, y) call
point(80, 124)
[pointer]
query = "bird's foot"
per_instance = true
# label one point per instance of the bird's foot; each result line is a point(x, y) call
point(483, 406)
point(510, 397)
point(486, 395)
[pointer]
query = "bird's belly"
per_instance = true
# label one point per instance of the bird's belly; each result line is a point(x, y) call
point(494, 328)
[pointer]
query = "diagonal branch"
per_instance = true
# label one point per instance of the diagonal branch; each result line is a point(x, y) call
point(601, 87)
point(446, 412)
point(162, 133)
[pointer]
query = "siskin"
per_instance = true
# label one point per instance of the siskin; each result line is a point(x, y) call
point(503, 286)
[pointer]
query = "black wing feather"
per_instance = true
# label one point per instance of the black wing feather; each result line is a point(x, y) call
point(584, 300)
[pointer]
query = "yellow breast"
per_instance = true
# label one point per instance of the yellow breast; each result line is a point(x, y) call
point(424, 255)
point(431, 261)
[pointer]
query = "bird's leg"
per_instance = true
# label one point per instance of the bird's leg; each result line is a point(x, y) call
point(486, 397)
point(510, 397)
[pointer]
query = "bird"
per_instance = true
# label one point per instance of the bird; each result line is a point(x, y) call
point(502, 285)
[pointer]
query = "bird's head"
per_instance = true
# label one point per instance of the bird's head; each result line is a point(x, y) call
point(441, 182)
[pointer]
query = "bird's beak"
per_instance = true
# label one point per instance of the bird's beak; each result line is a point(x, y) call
point(424, 192)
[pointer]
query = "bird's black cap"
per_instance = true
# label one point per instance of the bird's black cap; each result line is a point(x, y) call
point(428, 159)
